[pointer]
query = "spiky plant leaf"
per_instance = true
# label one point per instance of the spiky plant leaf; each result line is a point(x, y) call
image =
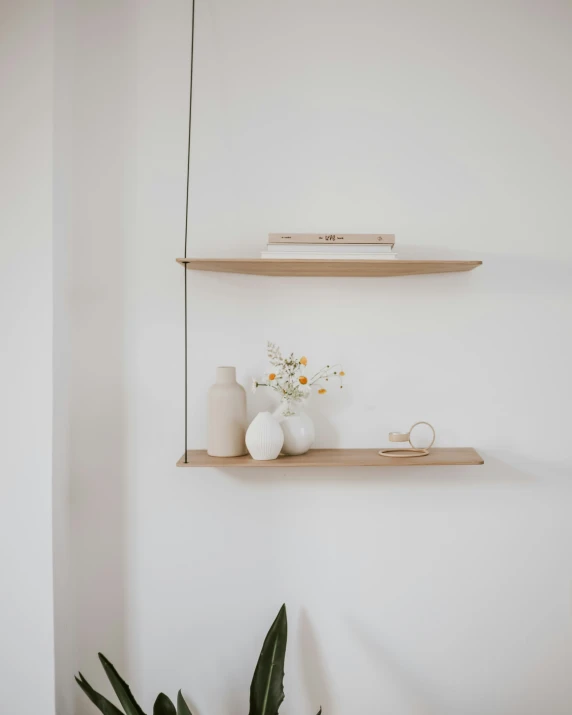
point(267, 690)
point(182, 707)
point(121, 688)
point(98, 700)
point(163, 706)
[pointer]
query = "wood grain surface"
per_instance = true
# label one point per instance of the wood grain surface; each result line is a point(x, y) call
point(325, 268)
point(441, 456)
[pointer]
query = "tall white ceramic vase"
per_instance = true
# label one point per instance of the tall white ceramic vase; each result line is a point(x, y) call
point(264, 437)
point(226, 423)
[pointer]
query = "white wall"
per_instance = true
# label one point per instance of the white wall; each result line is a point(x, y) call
point(26, 318)
point(436, 591)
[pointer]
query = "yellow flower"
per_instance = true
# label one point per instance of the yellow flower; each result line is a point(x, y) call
point(342, 373)
point(303, 380)
point(303, 361)
point(272, 376)
point(322, 391)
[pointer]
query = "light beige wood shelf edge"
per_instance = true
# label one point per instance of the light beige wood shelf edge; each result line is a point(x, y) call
point(337, 268)
point(438, 456)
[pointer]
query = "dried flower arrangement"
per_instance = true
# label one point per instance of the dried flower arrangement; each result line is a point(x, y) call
point(289, 380)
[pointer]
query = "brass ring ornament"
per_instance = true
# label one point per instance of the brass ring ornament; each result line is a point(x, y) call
point(416, 425)
point(406, 452)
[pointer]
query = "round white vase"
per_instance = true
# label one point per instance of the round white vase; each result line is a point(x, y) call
point(298, 428)
point(226, 422)
point(264, 437)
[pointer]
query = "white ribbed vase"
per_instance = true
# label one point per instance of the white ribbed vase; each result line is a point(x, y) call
point(264, 437)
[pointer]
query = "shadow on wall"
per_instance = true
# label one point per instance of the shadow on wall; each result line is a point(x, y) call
point(97, 272)
point(494, 474)
point(314, 672)
point(500, 272)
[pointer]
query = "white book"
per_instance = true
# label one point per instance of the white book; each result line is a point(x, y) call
point(328, 249)
point(329, 256)
point(329, 238)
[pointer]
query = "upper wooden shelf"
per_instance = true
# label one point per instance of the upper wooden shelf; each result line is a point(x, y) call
point(336, 267)
point(438, 456)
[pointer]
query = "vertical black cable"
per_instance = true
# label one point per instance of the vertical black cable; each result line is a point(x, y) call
point(187, 223)
point(190, 123)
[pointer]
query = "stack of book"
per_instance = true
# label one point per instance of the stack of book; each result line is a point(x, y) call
point(325, 247)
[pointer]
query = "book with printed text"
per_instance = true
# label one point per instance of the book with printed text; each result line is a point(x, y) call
point(332, 238)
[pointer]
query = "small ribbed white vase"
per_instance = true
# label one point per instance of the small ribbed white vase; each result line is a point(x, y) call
point(264, 437)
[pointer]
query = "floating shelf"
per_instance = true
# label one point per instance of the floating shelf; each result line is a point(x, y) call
point(442, 456)
point(336, 267)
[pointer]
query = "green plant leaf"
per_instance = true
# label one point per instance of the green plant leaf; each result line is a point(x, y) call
point(267, 689)
point(182, 707)
point(98, 700)
point(163, 706)
point(121, 688)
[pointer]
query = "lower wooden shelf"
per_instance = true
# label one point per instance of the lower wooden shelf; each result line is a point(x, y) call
point(438, 456)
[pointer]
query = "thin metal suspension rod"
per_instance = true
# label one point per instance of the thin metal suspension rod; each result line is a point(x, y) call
point(187, 223)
